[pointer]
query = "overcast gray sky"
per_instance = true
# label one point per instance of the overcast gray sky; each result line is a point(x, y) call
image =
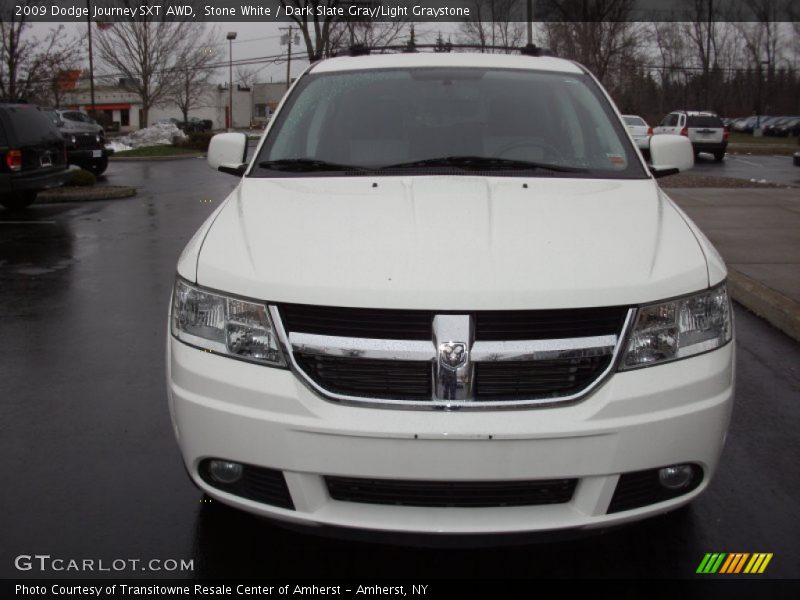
point(254, 39)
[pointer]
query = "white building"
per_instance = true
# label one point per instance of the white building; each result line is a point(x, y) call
point(266, 97)
point(124, 107)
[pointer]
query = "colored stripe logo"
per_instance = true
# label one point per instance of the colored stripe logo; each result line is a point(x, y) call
point(734, 563)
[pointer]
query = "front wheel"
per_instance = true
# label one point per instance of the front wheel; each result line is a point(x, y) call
point(18, 201)
point(95, 166)
point(99, 166)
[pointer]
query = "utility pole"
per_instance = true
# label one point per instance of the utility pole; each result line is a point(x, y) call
point(530, 22)
point(288, 38)
point(230, 37)
point(707, 74)
point(91, 59)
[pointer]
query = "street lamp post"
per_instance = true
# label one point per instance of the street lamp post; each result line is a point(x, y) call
point(91, 59)
point(230, 37)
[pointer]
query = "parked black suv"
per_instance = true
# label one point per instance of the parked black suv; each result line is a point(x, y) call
point(85, 138)
point(32, 155)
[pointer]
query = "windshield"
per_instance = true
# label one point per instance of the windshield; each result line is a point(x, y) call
point(423, 120)
point(53, 116)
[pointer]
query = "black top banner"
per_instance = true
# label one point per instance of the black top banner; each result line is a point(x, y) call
point(436, 11)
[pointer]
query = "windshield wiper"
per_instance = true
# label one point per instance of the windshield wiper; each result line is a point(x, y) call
point(306, 165)
point(483, 163)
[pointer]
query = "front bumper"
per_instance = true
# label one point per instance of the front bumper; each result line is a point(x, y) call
point(648, 418)
point(84, 154)
point(700, 146)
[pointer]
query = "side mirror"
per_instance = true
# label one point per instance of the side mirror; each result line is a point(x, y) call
point(670, 154)
point(227, 152)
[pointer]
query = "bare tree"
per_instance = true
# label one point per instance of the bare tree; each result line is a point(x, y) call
point(671, 56)
point(597, 34)
point(61, 82)
point(371, 34)
point(246, 76)
point(493, 23)
point(316, 30)
point(149, 54)
point(30, 67)
point(763, 41)
point(704, 33)
point(193, 73)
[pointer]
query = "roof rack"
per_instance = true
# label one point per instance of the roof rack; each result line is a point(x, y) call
point(358, 50)
point(441, 46)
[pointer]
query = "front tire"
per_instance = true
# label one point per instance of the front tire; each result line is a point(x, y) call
point(96, 166)
point(18, 201)
point(99, 166)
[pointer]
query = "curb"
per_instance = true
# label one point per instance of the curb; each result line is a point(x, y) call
point(779, 310)
point(140, 158)
point(106, 192)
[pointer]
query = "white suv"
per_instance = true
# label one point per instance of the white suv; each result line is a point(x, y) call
point(705, 130)
point(448, 296)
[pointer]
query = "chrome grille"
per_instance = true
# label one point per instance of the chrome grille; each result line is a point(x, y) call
point(451, 360)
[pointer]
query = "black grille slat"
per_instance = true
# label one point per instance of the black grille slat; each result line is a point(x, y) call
point(530, 379)
point(548, 324)
point(466, 494)
point(489, 325)
point(358, 322)
point(86, 140)
point(390, 379)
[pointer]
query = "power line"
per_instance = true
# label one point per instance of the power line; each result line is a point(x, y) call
point(272, 59)
point(257, 39)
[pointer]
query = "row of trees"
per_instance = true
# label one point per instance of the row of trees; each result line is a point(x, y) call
point(734, 68)
point(734, 63)
point(706, 62)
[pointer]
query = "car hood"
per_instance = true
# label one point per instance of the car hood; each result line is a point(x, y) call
point(450, 243)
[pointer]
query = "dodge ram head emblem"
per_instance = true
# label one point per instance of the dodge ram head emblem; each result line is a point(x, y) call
point(453, 354)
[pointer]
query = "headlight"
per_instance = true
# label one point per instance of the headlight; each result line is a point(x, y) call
point(679, 328)
point(224, 325)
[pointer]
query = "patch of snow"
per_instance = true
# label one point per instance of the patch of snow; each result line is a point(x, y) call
point(159, 134)
point(117, 146)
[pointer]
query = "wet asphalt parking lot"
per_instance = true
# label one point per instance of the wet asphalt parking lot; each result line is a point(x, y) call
point(772, 169)
point(91, 468)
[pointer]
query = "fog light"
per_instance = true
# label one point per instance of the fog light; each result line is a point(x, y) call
point(675, 477)
point(224, 471)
